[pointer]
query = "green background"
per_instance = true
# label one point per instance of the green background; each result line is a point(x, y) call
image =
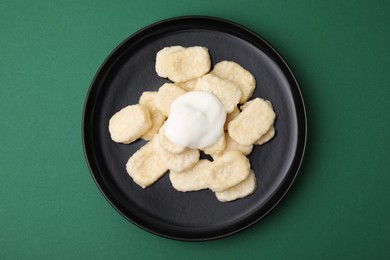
point(50, 208)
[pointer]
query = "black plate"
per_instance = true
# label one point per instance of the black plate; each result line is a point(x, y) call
point(192, 216)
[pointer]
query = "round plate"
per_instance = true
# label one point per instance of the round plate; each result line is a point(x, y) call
point(160, 209)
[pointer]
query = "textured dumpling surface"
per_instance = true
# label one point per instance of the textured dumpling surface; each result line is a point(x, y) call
point(188, 85)
point(181, 64)
point(235, 73)
point(166, 94)
point(176, 162)
point(232, 145)
point(129, 124)
point(254, 121)
point(227, 92)
point(147, 99)
point(228, 170)
point(267, 136)
point(239, 191)
point(231, 116)
point(145, 166)
point(168, 145)
point(193, 179)
point(216, 148)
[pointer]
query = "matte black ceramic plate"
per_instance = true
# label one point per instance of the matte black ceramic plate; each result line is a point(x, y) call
point(193, 216)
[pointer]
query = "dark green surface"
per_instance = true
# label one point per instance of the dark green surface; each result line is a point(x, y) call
point(339, 206)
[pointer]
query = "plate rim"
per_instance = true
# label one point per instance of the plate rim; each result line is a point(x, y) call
point(283, 188)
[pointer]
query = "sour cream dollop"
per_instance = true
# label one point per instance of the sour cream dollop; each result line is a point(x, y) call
point(196, 120)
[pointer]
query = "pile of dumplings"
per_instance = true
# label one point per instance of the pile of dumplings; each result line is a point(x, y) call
point(248, 123)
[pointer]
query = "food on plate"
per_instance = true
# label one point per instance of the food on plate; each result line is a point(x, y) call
point(147, 99)
point(193, 179)
point(216, 148)
point(168, 145)
point(166, 94)
point(196, 120)
point(227, 92)
point(242, 78)
point(228, 170)
point(129, 124)
point(267, 136)
point(181, 64)
point(176, 162)
point(241, 190)
point(254, 121)
point(145, 166)
point(231, 116)
point(232, 145)
point(188, 85)
point(197, 112)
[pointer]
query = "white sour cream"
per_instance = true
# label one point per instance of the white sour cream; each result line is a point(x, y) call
point(196, 120)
